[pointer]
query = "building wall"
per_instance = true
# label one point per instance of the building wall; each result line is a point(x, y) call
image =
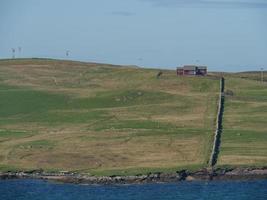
point(180, 72)
point(189, 72)
point(202, 72)
point(192, 72)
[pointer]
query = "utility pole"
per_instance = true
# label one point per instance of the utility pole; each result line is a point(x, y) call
point(67, 53)
point(13, 52)
point(19, 49)
point(262, 75)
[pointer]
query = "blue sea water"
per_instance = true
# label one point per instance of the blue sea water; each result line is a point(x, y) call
point(37, 189)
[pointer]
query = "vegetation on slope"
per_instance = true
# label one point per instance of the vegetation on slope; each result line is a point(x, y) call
point(103, 119)
point(244, 141)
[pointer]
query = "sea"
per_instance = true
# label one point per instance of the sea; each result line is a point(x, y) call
point(214, 190)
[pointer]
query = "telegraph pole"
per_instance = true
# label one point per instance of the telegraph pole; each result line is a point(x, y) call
point(13, 52)
point(262, 75)
point(19, 49)
point(67, 53)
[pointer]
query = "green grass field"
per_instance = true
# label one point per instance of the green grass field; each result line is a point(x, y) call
point(244, 141)
point(103, 119)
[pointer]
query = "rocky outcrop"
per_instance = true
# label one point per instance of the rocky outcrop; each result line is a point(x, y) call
point(240, 173)
point(183, 175)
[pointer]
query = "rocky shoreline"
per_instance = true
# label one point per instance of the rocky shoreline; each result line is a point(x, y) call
point(183, 175)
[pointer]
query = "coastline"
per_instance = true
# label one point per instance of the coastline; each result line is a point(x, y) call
point(183, 175)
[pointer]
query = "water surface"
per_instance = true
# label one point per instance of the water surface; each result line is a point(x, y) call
point(36, 189)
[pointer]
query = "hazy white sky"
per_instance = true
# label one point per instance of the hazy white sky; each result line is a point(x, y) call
point(228, 35)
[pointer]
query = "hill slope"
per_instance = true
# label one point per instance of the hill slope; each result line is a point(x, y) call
point(244, 138)
point(103, 119)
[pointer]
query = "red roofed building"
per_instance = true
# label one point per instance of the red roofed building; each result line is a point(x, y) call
point(192, 70)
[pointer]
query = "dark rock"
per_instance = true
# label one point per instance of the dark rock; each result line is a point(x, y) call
point(203, 174)
point(182, 175)
point(35, 171)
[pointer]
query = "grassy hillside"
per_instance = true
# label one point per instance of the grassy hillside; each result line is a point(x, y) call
point(103, 119)
point(251, 75)
point(244, 140)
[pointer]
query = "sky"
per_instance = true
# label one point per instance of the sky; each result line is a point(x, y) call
point(225, 35)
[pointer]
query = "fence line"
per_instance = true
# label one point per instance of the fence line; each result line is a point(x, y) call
point(219, 126)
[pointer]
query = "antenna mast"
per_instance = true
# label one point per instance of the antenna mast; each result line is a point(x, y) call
point(19, 49)
point(13, 52)
point(67, 53)
point(262, 75)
